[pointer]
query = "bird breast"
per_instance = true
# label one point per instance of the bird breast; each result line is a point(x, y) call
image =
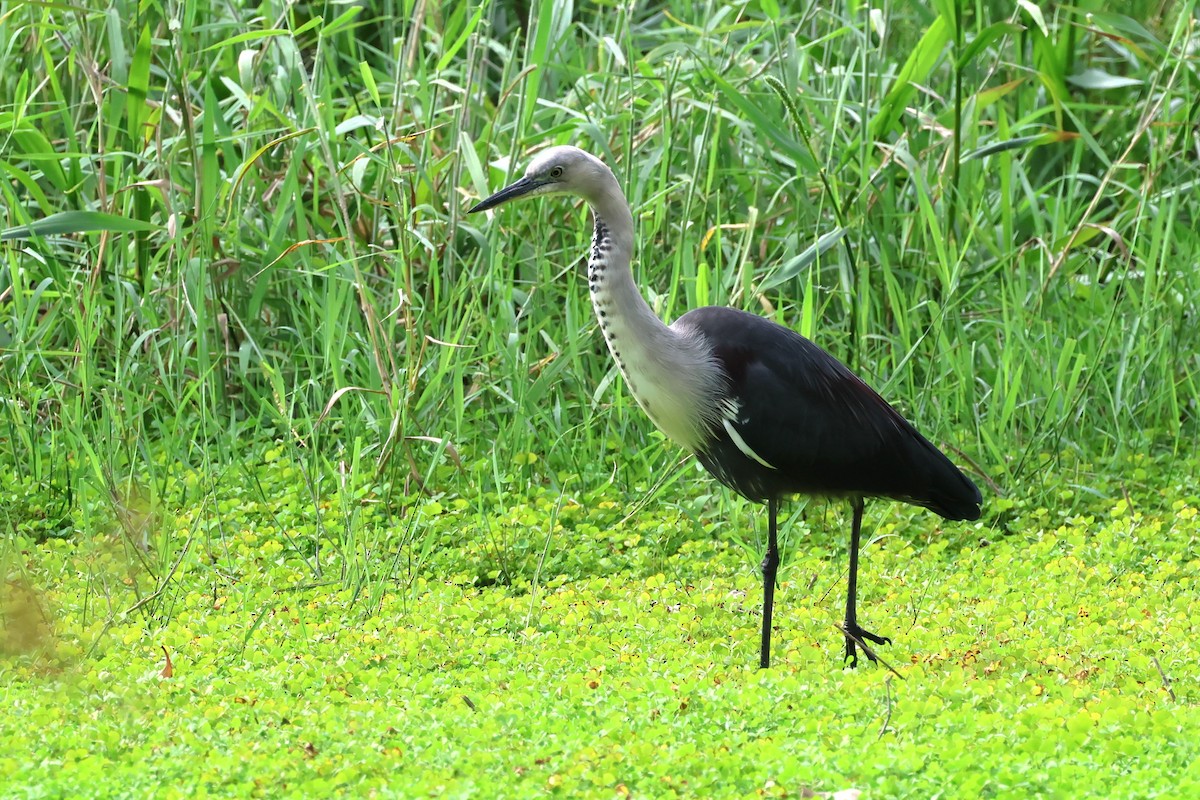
point(669, 373)
point(674, 390)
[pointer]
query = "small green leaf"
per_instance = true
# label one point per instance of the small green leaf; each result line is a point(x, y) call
point(986, 37)
point(343, 20)
point(1035, 14)
point(797, 263)
point(1093, 78)
point(364, 69)
point(916, 69)
point(139, 87)
point(1021, 143)
point(463, 36)
point(77, 222)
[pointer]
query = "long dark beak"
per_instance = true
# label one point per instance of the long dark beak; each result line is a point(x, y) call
point(511, 192)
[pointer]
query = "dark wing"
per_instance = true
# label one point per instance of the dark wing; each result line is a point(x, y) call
point(819, 427)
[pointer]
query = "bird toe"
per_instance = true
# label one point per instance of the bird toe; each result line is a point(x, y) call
point(856, 639)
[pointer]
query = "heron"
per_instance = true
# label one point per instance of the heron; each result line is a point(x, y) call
point(765, 411)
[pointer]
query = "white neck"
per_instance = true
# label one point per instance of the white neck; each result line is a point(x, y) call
point(670, 373)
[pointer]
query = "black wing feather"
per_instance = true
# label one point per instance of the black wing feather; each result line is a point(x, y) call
point(822, 428)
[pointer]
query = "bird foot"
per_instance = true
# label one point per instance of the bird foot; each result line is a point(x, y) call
point(856, 639)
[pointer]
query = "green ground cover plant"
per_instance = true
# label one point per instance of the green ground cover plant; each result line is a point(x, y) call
point(311, 484)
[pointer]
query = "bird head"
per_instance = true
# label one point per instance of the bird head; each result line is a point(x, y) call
point(558, 170)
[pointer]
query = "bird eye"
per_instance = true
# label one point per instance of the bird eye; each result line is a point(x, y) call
point(556, 173)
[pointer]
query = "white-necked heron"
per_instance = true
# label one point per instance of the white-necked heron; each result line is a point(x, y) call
point(766, 411)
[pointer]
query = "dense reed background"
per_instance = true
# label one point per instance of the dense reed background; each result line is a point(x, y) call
point(239, 296)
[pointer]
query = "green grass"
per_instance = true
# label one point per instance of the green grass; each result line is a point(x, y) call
point(269, 399)
point(1054, 663)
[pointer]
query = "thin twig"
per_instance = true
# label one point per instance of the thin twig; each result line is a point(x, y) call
point(868, 652)
point(887, 718)
point(1166, 681)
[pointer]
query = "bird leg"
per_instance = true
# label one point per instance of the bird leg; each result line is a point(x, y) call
point(770, 567)
point(855, 634)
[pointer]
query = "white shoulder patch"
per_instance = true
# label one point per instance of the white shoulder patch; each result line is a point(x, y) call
point(741, 443)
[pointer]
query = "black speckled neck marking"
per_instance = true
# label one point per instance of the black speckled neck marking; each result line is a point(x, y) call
point(600, 244)
point(597, 266)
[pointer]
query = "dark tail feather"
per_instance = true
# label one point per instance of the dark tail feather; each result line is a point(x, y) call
point(943, 488)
